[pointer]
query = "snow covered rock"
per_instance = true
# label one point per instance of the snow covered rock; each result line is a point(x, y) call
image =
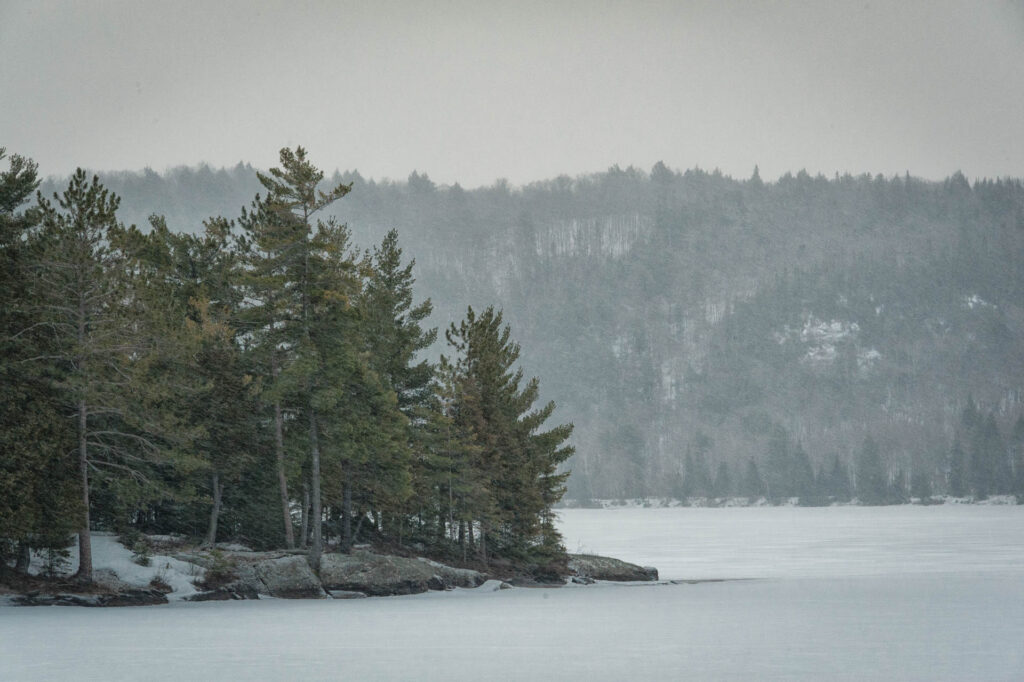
point(383, 575)
point(607, 568)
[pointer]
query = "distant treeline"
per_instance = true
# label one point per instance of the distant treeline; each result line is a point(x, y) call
point(674, 312)
point(259, 380)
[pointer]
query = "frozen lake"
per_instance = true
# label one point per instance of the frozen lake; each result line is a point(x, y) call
point(845, 593)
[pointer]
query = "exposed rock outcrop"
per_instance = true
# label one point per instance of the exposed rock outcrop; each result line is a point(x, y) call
point(383, 575)
point(126, 598)
point(289, 577)
point(606, 568)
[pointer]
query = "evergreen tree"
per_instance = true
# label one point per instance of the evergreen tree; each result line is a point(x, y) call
point(37, 484)
point(778, 468)
point(101, 346)
point(805, 483)
point(872, 483)
point(957, 470)
point(753, 485)
point(1017, 457)
point(305, 279)
point(518, 460)
point(723, 481)
point(196, 273)
point(838, 482)
point(920, 480)
point(392, 328)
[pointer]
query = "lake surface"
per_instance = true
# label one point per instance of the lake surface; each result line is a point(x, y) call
point(797, 542)
point(843, 593)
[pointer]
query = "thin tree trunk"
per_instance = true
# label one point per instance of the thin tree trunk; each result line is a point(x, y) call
point(84, 538)
point(218, 493)
point(317, 521)
point(304, 540)
point(289, 533)
point(359, 527)
point(462, 538)
point(346, 516)
point(483, 544)
point(24, 558)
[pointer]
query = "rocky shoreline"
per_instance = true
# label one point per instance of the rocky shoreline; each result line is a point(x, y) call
point(237, 573)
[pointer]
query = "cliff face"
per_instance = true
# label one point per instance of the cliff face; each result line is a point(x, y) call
point(669, 313)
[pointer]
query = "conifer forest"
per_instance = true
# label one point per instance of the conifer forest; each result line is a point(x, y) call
point(258, 379)
point(181, 357)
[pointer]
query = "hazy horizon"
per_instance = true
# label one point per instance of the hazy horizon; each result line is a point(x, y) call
point(473, 92)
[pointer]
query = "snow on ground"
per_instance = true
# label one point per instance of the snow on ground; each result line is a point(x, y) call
point(108, 553)
point(844, 593)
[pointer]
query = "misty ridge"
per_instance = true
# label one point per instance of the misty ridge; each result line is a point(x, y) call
point(813, 338)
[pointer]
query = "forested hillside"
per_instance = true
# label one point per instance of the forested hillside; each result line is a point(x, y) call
point(804, 336)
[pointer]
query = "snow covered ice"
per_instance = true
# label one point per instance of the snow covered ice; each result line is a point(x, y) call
point(841, 593)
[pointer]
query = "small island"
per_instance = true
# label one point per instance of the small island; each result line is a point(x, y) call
point(260, 384)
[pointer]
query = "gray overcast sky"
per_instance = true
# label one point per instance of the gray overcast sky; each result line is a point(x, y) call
point(473, 91)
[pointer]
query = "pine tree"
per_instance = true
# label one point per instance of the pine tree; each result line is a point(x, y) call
point(872, 482)
point(804, 482)
point(838, 485)
point(723, 481)
point(391, 326)
point(518, 460)
point(778, 468)
point(752, 485)
point(303, 278)
point(1017, 458)
point(101, 347)
point(920, 480)
point(195, 275)
point(37, 484)
point(958, 486)
point(393, 338)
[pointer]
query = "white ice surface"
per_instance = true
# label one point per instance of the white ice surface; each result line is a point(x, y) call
point(880, 611)
point(790, 542)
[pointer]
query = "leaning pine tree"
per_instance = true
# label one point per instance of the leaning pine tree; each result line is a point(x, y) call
point(518, 461)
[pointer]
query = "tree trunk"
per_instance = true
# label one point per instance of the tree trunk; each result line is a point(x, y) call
point(289, 533)
point(84, 538)
point(346, 516)
point(317, 547)
point(24, 559)
point(304, 540)
point(218, 493)
point(359, 527)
